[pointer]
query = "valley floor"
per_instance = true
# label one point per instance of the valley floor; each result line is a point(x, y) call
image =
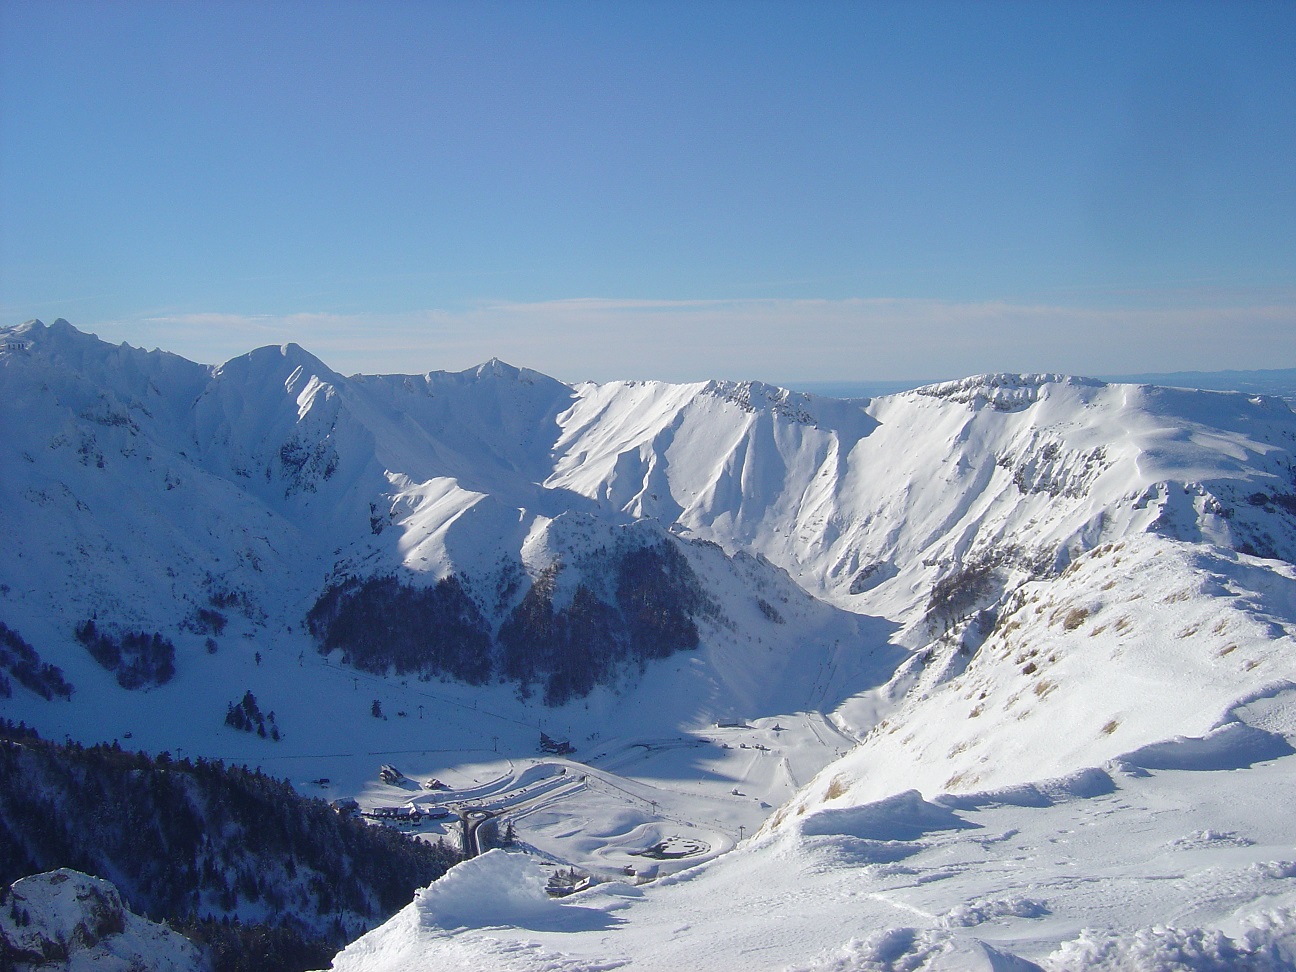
point(645, 806)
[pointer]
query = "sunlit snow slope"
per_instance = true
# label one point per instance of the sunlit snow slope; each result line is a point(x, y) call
point(1008, 474)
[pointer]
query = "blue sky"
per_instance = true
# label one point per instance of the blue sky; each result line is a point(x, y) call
point(789, 191)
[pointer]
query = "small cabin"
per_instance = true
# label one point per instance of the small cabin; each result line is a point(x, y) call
point(555, 747)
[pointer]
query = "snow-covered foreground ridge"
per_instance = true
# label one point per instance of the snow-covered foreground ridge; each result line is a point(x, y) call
point(1051, 619)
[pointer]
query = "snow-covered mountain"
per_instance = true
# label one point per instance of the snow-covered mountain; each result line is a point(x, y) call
point(949, 625)
point(67, 920)
point(273, 465)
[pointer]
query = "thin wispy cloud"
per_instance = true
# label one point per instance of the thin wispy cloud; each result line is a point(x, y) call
point(602, 339)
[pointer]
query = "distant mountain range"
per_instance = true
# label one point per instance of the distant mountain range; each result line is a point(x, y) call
point(1273, 381)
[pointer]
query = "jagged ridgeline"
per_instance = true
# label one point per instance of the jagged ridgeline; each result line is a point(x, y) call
point(201, 843)
point(630, 606)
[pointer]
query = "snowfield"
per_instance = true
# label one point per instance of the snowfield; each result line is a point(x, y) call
point(1131, 817)
point(992, 674)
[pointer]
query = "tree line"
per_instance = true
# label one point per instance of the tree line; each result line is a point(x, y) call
point(225, 853)
point(643, 611)
point(137, 658)
point(21, 661)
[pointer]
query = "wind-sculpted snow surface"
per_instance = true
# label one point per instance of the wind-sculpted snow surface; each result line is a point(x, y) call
point(1117, 879)
point(1267, 944)
point(494, 889)
point(1265, 947)
point(917, 950)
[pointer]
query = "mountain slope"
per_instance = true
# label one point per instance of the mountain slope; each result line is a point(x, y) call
point(213, 507)
point(1088, 782)
point(290, 469)
point(217, 522)
point(889, 497)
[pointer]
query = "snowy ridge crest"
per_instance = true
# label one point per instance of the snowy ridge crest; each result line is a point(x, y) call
point(754, 396)
point(1003, 392)
point(494, 369)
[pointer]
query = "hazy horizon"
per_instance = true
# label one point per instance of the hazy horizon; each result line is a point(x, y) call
point(814, 192)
